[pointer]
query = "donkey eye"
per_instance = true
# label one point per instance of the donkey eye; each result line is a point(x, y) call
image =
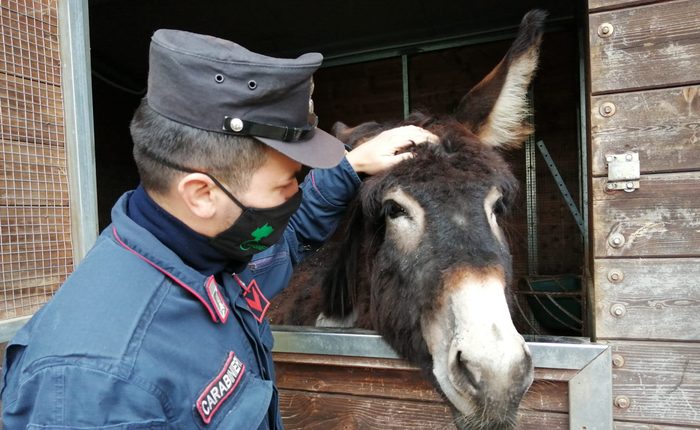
point(394, 210)
point(499, 208)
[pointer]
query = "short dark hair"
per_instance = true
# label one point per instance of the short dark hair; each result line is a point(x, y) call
point(231, 159)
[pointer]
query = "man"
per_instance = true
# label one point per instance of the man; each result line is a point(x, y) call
point(163, 323)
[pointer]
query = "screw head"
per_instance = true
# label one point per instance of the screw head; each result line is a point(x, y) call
point(618, 310)
point(605, 29)
point(628, 157)
point(607, 109)
point(615, 275)
point(618, 360)
point(609, 158)
point(622, 402)
point(629, 185)
point(616, 240)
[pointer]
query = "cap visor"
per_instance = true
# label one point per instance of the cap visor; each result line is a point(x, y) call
point(322, 150)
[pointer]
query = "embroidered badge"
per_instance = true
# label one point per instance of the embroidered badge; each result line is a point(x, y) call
point(217, 300)
point(220, 388)
point(257, 303)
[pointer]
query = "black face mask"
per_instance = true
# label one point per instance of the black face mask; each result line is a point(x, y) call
point(256, 229)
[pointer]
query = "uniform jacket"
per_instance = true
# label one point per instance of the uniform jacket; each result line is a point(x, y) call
point(136, 339)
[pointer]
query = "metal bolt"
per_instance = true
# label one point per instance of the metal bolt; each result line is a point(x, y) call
point(628, 157)
point(605, 29)
point(618, 360)
point(618, 310)
point(615, 275)
point(622, 402)
point(607, 109)
point(611, 186)
point(616, 240)
point(609, 158)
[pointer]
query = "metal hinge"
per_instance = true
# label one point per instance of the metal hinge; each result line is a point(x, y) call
point(623, 171)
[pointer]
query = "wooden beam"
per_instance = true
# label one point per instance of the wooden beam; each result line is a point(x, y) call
point(659, 298)
point(661, 125)
point(661, 381)
point(649, 46)
point(658, 219)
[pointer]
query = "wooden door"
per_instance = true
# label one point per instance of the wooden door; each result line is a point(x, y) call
point(645, 100)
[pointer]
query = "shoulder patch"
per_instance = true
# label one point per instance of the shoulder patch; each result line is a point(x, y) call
point(217, 300)
point(220, 388)
point(257, 302)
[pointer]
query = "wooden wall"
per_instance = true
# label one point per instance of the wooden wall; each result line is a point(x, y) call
point(334, 392)
point(35, 235)
point(647, 290)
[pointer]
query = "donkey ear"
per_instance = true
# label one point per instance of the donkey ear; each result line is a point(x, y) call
point(496, 108)
point(339, 286)
point(355, 136)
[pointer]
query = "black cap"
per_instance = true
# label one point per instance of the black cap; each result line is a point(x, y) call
point(217, 85)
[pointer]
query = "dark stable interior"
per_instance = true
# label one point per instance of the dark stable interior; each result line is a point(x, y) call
point(356, 88)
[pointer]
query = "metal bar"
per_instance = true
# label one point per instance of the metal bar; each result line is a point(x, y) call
point(77, 103)
point(562, 186)
point(592, 387)
point(429, 45)
point(8, 328)
point(405, 87)
point(531, 195)
point(581, 19)
point(590, 391)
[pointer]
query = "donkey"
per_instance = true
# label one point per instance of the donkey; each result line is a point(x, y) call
point(424, 261)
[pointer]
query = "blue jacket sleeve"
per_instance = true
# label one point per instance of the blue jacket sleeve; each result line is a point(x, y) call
point(327, 193)
point(68, 396)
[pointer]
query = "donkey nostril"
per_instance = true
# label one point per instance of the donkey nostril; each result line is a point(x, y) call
point(470, 371)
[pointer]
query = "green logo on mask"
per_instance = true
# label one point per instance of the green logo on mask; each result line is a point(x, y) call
point(258, 234)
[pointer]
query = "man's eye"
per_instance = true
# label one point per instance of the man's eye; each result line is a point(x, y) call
point(394, 210)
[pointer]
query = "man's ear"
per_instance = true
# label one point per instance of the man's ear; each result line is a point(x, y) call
point(197, 193)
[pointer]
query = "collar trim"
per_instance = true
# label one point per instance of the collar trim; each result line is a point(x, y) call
point(168, 274)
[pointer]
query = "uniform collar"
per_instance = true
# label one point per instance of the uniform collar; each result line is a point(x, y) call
point(193, 248)
point(143, 244)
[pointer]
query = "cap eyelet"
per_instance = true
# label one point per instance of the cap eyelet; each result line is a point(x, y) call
point(252, 84)
point(219, 78)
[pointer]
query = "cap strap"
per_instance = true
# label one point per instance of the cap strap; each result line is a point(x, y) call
point(286, 134)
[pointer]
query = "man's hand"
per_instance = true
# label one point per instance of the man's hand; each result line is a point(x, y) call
point(380, 152)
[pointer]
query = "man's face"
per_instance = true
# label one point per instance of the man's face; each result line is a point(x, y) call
point(273, 183)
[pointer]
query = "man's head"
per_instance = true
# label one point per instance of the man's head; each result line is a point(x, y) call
point(219, 121)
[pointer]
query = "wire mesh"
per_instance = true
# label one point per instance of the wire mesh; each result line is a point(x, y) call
point(35, 231)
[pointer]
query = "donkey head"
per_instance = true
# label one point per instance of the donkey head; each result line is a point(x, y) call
point(425, 262)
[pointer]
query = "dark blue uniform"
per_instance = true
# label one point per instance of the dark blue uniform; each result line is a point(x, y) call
point(137, 339)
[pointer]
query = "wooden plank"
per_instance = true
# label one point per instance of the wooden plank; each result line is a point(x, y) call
point(45, 11)
point(30, 111)
point(622, 425)
point(32, 175)
point(661, 381)
point(651, 46)
point(545, 394)
point(661, 125)
point(302, 410)
point(601, 5)
point(30, 47)
point(659, 219)
point(661, 298)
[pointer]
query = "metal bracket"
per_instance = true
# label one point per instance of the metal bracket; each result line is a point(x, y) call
point(623, 171)
point(562, 187)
